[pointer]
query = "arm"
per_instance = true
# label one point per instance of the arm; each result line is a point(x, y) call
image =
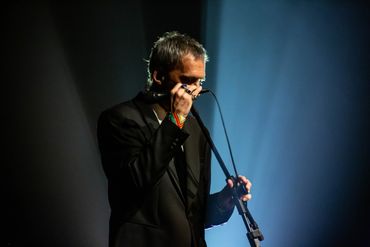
point(128, 155)
point(221, 205)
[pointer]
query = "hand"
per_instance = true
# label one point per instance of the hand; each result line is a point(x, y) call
point(248, 186)
point(225, 196)
point(181, 101)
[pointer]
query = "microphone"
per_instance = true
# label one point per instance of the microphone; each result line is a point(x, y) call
point(153, 97)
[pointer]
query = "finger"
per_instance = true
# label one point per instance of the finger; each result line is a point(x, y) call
point(230, 183)
point(188, 89)
point(181, 94)
point(175, 88)
point(248, 184)
point(187, 92)
point(245, 180)
point(246, 197)
point(184, 97)
point(242, 178)
point(196, 93)
point(192, 87)
point(197, 90)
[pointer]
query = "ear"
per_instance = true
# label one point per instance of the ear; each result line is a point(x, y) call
point(156, 78)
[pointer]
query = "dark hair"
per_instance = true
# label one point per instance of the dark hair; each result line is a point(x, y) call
point(168, 51)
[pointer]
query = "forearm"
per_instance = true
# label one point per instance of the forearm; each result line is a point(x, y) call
point(219, 209)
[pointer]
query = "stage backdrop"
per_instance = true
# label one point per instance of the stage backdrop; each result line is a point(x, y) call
point(65, 62)
point(292, 78)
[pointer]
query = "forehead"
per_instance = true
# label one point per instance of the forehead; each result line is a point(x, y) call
point(192, 67)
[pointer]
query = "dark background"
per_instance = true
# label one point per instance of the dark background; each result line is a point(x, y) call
point(65, 63)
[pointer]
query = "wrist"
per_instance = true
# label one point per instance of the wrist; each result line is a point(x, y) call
point(177, 119)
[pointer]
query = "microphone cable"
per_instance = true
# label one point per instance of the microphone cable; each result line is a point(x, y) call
point(226, 135)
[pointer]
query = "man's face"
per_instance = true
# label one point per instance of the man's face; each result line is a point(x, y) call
point(191, 73)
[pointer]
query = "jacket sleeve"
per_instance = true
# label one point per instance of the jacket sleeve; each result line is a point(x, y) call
point(131, 158)
point(216, 214)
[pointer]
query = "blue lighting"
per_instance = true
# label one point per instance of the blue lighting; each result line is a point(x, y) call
point(289, 81)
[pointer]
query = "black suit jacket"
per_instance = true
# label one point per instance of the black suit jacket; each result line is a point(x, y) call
point(148, 207)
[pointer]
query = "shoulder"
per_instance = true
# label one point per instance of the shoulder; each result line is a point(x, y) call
point(113, 117)
point(128, 110)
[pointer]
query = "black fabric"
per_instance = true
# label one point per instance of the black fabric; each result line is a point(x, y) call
point(153, 203)
point(181, 170)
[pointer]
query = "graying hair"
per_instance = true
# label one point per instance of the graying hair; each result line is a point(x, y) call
point(168, 51)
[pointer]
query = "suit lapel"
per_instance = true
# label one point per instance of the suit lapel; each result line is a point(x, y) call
point(151, 121)
point(191, 147)
point(147, 114)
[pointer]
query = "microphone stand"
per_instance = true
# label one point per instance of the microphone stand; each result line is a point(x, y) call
point(253, 233)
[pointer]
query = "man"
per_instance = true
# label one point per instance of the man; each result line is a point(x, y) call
point(156, 159)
